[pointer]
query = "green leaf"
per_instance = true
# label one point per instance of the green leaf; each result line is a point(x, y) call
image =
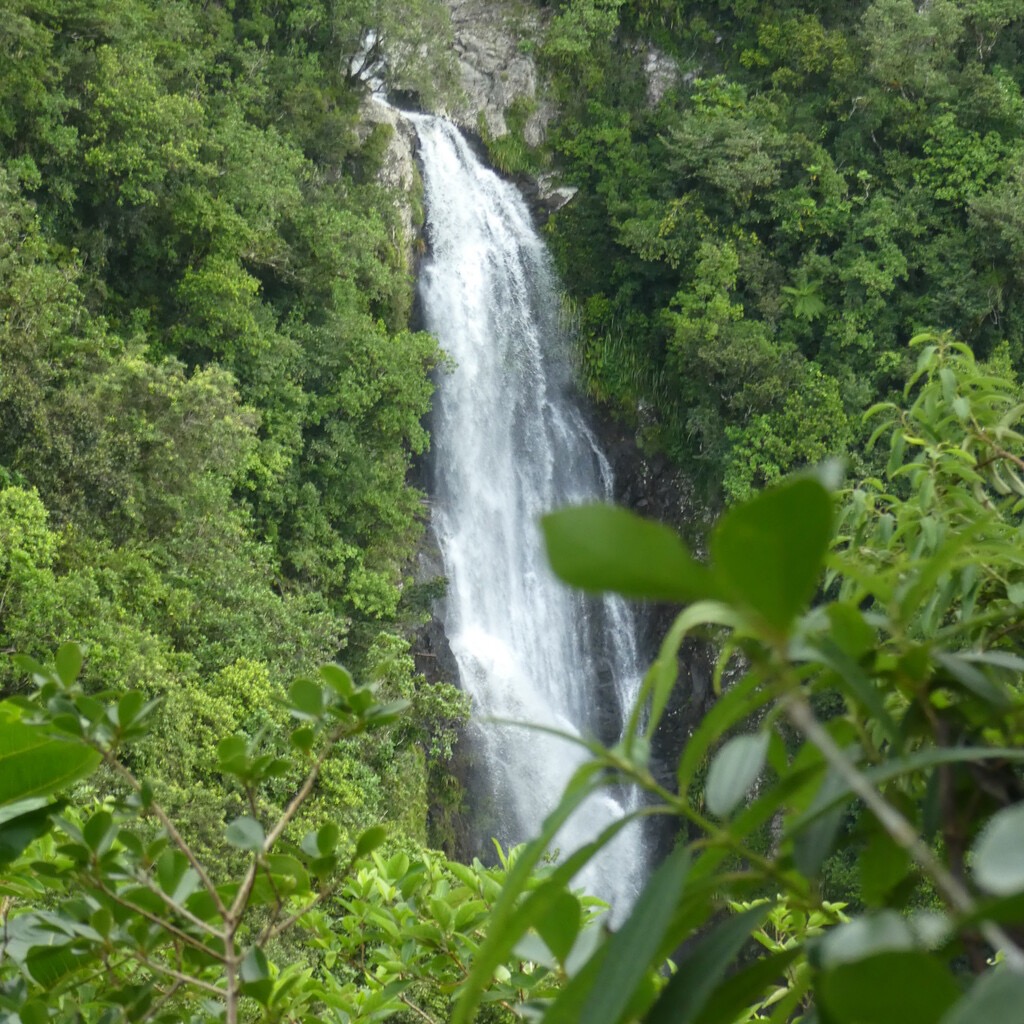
point(631, 952)
point(884, 932)
point(661, 678)
point(734, 705)
point(888, 988)
point(560, 926)
point(995, 998)
point(816, 837)
point(883, 865)
point(68, 662)
point(327, 838)
point(307, 698)
point(302, 739)
point(233, 753)
point(733, 771)
point(384, 714)
point(998, 862)
point(255, 974)
point(246, 833)
point(700, 971)
point(746, 987)
point(893, 768)
point(600, 547)
point(338, 679)
point(850, 676)
point(369, 840)
point(99, 832)
point(511, 917)
point(18, 830)
point(33, 763)
point(49, 965)
point(767, 553)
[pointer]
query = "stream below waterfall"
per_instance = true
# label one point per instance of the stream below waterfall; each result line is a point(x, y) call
point(510, 443)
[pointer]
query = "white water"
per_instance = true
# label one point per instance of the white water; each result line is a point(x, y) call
point(510, 443)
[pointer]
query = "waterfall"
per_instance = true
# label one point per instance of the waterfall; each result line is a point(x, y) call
point(510, 443)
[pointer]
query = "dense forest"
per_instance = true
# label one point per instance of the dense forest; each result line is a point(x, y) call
point(796, 241)
point(749, 255)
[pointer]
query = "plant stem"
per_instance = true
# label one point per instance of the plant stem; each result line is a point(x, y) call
point(900, 830)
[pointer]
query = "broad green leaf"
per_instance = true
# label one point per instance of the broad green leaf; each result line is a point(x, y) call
point(511, 917)
point(631, 952)
point(68, 662)
point(600, 547)
point(33, 763)
point(767, 553)
point(384, 714)
point(700, 970)
point(129, 707)
point(327, 839)
point(735, 704)
point(338, 679)
point(17, 830)
point(733, 771)
point(884, 932)
point(306, 697)
point(49, 965)
point(893, 768)
point(368, 841)
point(888, 988)
point(302, 739)
point(883, 865)
point(994, 998)
point(246, 833)
point(814, 842)
point(998, 862)
point(233, 753)
point(560, 926)
point(608, 983)
point(99, 832)
point(255, 974)
point(661, 678)
point(746, 987)
point(850, 676)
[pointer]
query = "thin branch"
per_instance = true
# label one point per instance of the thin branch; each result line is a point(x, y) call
point(900, 830)
point(403, 998)
point(170, 972)
point(296, 802)
point(162, 1002)
point(192, 919)
point(161, 815)
point(160, 922)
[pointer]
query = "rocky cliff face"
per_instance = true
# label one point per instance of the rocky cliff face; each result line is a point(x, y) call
point(398, 170)
point(493, 40)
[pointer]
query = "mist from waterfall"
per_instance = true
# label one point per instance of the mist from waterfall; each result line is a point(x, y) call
point(509, 444)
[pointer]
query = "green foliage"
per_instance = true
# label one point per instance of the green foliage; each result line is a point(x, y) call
point(209, 397)
point(510, 152)
point(817, 185)
point(109, 912)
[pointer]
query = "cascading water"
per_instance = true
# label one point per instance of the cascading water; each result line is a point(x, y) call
point(510, 443)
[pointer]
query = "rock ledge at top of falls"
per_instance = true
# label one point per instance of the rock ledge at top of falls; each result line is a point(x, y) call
point(490, 38)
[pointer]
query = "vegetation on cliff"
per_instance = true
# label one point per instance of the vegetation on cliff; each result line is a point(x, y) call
point(209, 394)
point(750, 250)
